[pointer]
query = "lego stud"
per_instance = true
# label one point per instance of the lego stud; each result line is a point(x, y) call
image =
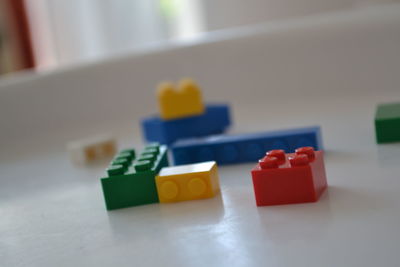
point(154, 150)
point(153, 145)
point(308, 150)
point(277, 153)
point(127, 153)
point(229, 153)
point(124, 155)
point(269, 162)
point(253, 151)
point(197, 186)
point(150, 154)
point(299, 160)
point(147, 157)
point(165, 89)
point(169, 190)
point(121, 161)
point(205, 154)
point(115, 170)
point(130, 151)
point(90, 153)
point(108, 148)
point(143, 165)
point(188, 85)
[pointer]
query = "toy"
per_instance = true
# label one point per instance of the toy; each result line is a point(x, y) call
point(91, 149)
point(184, 102)
point(215, 120)
point(232, 149)
point(387, 123)
point(188, 182)
point(131, 181)
point(292, 178)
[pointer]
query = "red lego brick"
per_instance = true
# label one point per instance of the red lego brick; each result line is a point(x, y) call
point(281, 178)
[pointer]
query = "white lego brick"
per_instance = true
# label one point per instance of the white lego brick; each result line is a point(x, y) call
point(91, 149)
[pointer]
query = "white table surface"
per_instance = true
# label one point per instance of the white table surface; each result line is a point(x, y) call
point(52, 213)
point(329, 71)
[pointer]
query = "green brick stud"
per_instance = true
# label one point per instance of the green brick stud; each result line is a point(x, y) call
point(127, 153)
point(387, 123)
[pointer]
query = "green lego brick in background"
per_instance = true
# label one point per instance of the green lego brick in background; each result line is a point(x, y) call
point(387, 123)
point(131, 181)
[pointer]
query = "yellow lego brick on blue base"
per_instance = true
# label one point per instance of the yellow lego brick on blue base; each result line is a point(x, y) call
point(188, 182)
point(186, 101)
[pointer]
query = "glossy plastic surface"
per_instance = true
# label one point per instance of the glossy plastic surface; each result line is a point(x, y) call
point(188, 182)
point(292, 178)
point(131, 181)
point(181, 102)
point(387, 123)
point(215, 120)
point(240, 148)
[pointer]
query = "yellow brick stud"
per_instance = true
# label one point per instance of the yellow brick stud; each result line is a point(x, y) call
point(183, 102)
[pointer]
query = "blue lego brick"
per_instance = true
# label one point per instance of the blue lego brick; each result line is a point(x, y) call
point(214, 120)
point(232, 149)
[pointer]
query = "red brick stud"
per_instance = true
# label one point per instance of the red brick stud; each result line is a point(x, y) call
point(309, 151)
point(299, 160)
point(269, 162)
point(277, 153)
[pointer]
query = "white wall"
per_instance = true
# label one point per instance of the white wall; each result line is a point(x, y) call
point(347, 53)
point(74, 31)
point(222, 14)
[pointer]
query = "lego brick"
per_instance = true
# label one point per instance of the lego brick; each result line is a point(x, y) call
point(215, 119)
point(92, 149)
point(232, 149)
point(281, 178)
point(130, 181)
point(387, 123)
point(186, 101)
point(188, 182)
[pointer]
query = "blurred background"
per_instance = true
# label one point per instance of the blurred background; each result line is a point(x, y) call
point(47, 34)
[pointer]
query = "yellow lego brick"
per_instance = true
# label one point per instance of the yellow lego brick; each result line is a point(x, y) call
point(187, 182)
point(184, 102)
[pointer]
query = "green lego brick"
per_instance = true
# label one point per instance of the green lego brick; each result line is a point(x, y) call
point(130, 181)
point(387, 123)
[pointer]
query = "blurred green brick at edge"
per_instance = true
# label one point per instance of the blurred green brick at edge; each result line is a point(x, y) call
point(131, 181)
point(387, 123)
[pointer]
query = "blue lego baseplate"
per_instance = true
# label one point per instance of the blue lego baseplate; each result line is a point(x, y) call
point(232, 149)
point(214, 120)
